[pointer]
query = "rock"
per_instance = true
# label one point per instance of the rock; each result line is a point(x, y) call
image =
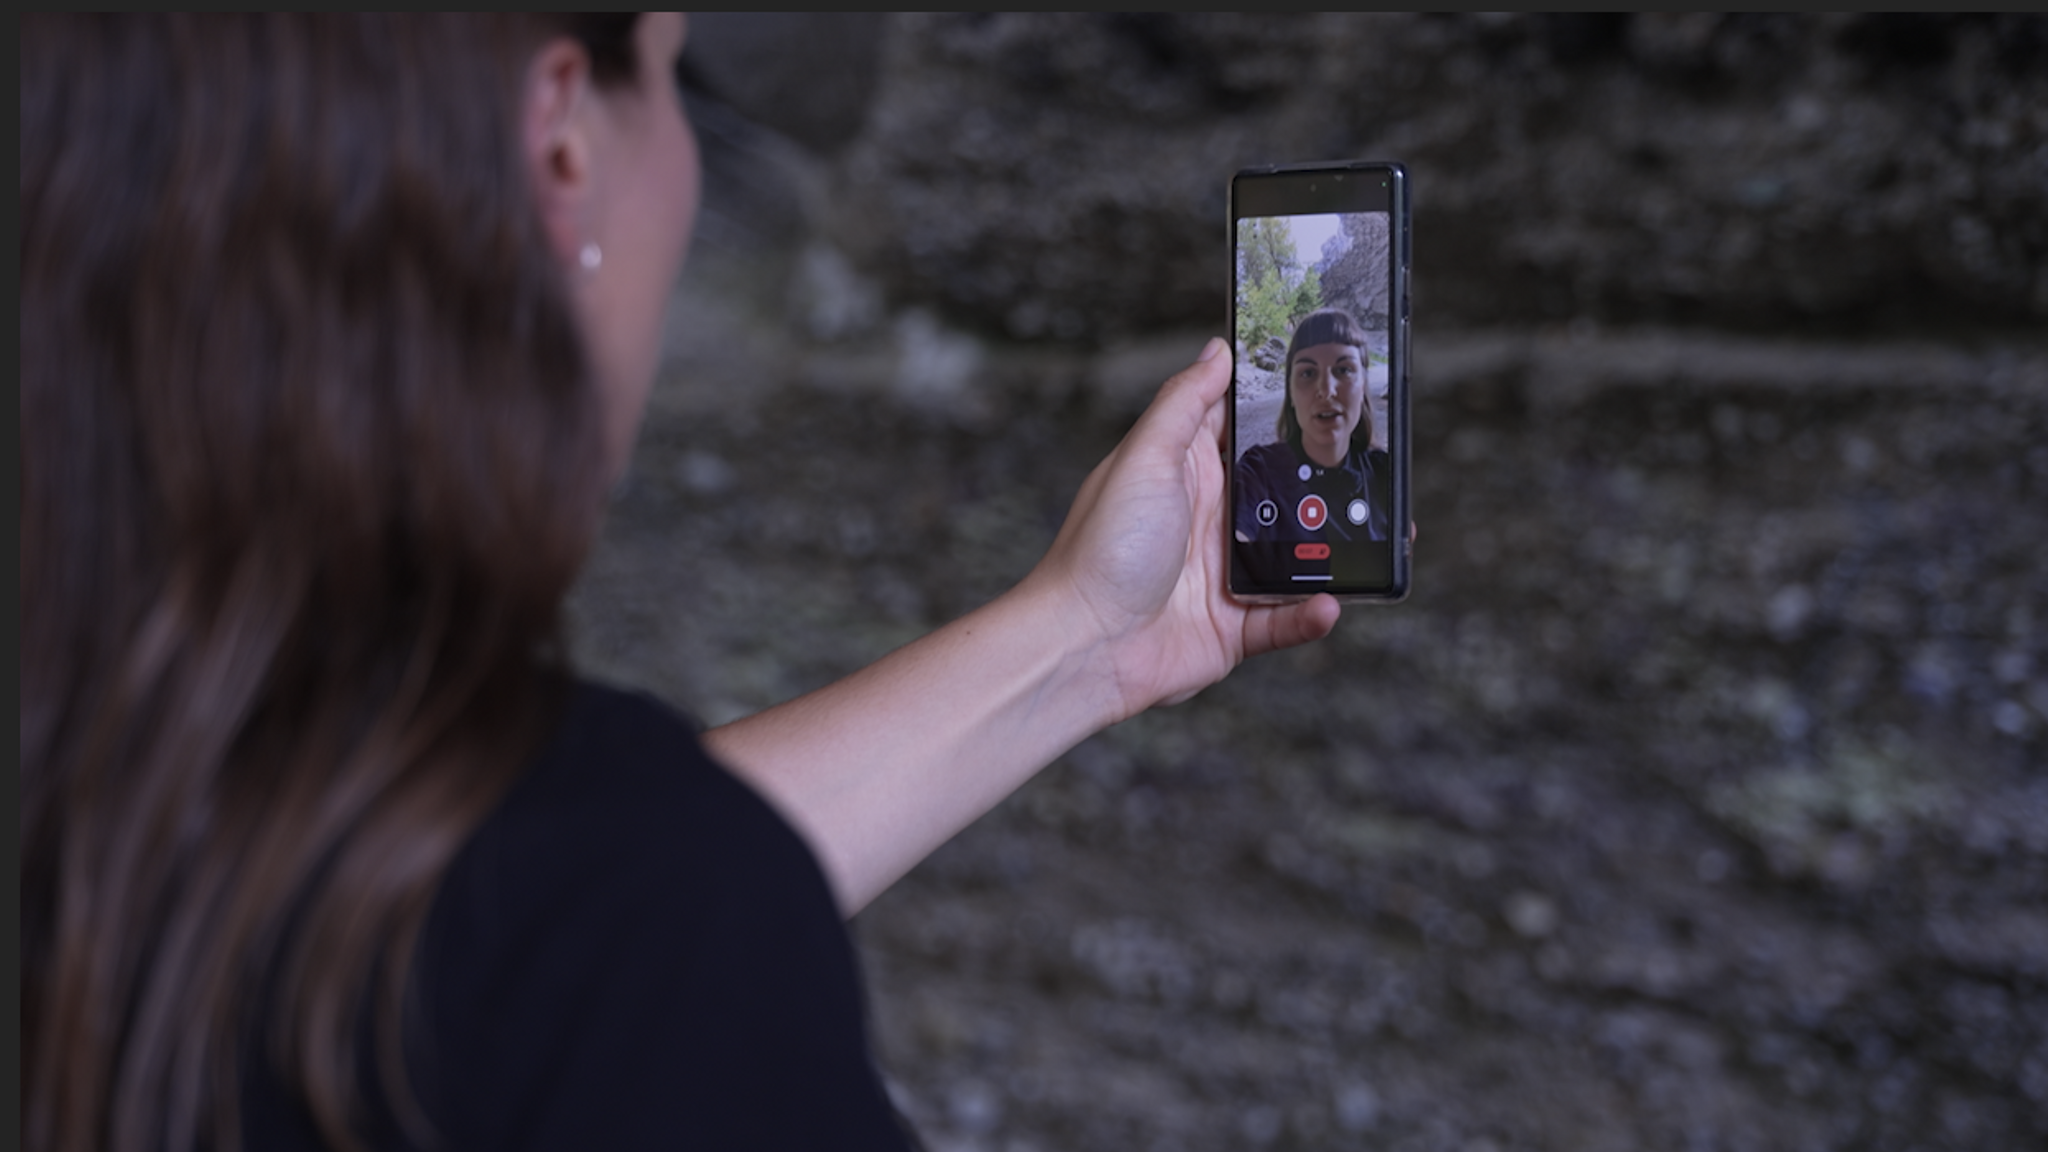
point(1062, 176)
point(807, 75)
point(1694, 799)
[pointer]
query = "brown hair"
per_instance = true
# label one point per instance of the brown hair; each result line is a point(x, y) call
point(1330, 326)
point(310, 456)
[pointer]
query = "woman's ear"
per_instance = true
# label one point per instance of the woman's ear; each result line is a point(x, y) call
point(556, 133)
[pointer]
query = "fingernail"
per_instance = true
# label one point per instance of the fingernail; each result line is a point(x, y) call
point(1211, 350)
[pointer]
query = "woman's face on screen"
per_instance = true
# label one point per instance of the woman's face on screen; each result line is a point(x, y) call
point(1326, 385)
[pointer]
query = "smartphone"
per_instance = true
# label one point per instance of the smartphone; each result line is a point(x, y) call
point(1319, 393)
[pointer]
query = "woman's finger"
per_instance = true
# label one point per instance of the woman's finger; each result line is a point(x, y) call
point(1271, 628)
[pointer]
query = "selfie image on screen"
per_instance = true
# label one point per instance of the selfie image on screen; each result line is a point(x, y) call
point(1313, 480)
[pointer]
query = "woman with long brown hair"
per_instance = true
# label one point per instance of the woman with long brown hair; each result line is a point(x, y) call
point(335, 331)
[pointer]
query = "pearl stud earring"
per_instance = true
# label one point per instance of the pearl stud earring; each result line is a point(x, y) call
point(590, 257)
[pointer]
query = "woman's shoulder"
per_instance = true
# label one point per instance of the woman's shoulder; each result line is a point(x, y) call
point(623, 785)
point(1271, 459)
point(631, 946)
point(1271, 450)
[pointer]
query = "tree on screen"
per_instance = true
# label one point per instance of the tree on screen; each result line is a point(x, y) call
point(1274, 288)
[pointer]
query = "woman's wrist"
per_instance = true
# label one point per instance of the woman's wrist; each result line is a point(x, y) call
point(1078, 689)
point(1111, 660)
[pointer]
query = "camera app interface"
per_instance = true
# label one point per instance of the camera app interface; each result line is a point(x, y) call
point(1313, 477)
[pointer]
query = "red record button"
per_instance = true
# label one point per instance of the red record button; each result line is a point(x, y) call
point(1311, 551)
point(1312, 512)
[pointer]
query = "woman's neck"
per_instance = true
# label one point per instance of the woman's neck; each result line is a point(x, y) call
point(1326, 454)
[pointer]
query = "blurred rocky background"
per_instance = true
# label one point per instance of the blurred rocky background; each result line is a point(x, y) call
point(1698, 797)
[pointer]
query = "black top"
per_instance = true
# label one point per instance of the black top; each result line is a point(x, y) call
point(634, 951)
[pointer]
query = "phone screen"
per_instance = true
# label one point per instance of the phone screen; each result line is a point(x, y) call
point(1319, 414)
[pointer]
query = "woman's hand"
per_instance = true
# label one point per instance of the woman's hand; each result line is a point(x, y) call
point(1142, 552)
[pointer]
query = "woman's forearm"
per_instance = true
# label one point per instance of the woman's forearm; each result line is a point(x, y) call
point(880, 768)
